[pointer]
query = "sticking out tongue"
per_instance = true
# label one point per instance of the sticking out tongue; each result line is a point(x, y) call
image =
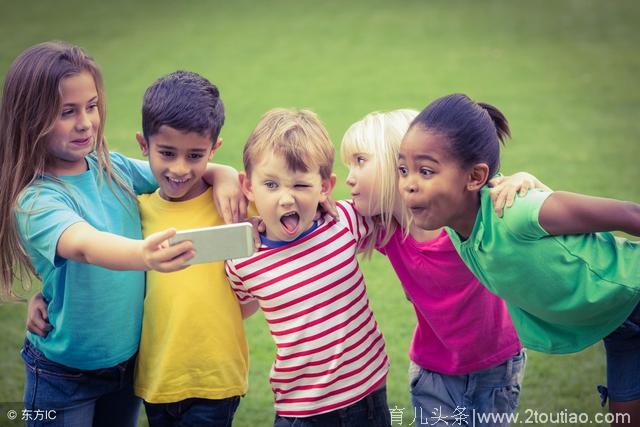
point(290, 222)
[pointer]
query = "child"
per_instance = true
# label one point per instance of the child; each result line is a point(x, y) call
point(454, 368)
point(182, 115)
point(69, 203)
point(565, 289)
point(331, 363)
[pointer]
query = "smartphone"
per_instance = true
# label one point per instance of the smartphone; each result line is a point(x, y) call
point(218, 243)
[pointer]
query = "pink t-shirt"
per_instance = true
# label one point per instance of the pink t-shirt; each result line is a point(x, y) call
point(462, 327)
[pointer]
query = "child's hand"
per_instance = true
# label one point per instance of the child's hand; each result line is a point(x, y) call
point(258, 227)
point(160, 256)
point(328, 207)
point(231, 204)
point(504, 189)
point(38, 316)
point(228, 196)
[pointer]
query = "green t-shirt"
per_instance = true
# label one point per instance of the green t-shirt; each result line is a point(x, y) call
point(565, 292)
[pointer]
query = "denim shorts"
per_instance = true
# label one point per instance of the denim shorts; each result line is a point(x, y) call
point(74, 397)
point(193, 412)
point(440, 399)
point(623, 361)
point(372, 411)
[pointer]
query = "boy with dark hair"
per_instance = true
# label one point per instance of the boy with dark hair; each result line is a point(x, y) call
point(193, 359)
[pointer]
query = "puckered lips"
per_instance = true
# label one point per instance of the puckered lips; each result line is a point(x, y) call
point(290, 222)
point(417, 210)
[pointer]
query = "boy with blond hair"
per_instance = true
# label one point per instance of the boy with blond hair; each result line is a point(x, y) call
point(331, 363)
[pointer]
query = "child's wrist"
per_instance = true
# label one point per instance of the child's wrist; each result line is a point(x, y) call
point(142, 255)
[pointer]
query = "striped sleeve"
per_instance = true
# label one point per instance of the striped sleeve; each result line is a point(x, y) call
point(359, 225)
point(243, 295)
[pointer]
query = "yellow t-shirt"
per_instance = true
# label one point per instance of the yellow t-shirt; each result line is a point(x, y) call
point(193, 342)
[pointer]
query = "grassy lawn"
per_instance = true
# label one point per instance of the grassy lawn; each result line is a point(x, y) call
point(565, 73)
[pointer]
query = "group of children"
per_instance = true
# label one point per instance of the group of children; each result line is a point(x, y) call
point(545, 274)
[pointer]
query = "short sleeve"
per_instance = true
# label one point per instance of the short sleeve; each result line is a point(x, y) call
point(43, 215)
point(522, 218)
point(359, 225)
point(242, 294)
point(138, 171)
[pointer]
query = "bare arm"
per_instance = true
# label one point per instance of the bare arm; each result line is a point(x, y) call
point(83, 243)
point(571, 213)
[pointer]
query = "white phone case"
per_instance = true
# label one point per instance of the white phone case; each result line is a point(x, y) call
point(218, 243)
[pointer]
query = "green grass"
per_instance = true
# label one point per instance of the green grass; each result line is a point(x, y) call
point(564, 72)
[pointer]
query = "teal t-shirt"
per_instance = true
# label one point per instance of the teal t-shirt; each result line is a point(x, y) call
point(565, 292)
point(96, 313)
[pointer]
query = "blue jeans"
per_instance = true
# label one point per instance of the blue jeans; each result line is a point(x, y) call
point(192, 412)
point(442, 400)
point(72, 397)
point(623, 361)
point(371, 411)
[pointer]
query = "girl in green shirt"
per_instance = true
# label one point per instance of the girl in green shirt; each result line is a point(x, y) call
point(568, 282)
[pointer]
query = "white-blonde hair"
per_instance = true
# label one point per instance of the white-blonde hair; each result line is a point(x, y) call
point(379, 134)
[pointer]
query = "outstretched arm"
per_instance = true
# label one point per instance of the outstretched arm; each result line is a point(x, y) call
point(83, 243)
point(571, 213)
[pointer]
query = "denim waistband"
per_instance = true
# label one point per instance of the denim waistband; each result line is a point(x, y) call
point(30, 349)
point(503, 372)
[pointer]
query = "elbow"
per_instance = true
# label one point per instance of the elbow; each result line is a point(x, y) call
point(249, 309)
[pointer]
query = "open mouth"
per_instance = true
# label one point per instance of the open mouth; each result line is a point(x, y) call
point(290, 222)
point(176, 183)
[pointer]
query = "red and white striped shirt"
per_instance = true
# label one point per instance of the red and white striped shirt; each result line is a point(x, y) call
point(329, 350)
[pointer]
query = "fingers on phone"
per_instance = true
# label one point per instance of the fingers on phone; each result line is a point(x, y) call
point(174, 251)
point(157, 239)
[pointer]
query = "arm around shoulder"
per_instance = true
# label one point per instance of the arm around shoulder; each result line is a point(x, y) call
point(227, 194)
point(571, 213)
